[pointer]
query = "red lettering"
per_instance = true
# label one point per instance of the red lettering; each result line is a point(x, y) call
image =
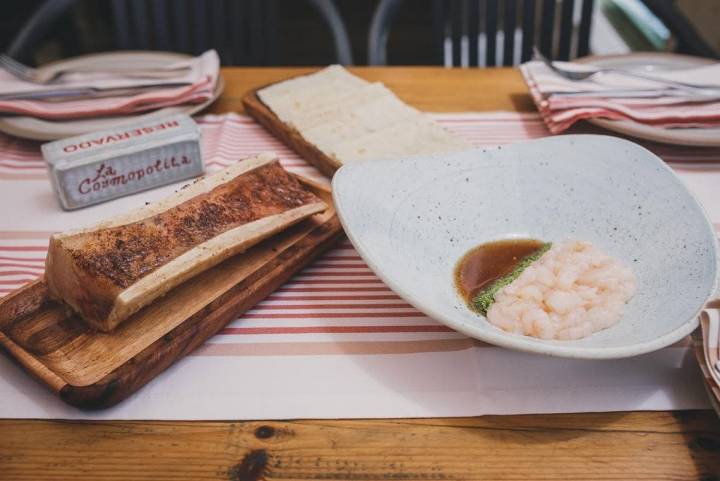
point(85, 183)
point(106, 175)
point(121, 136)
point(99, 172)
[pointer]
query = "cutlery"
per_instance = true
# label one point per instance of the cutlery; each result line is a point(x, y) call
point(689, 96)
point(49, 74)
point(588, 72)
point(78, 93)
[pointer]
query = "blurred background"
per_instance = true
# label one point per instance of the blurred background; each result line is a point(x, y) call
point(410, 32)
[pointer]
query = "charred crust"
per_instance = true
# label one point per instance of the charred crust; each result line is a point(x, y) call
point(122, 255)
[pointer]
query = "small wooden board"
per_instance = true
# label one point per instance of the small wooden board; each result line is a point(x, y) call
point(91, 370)
point(291, 137)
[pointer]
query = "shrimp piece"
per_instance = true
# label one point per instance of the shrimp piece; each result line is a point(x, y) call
point(530, 293)
point(563, 302)
point(539, 324)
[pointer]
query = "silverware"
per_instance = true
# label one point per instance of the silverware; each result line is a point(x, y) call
point(79, 93)
point(577, 75)
point(686, 96)
point(51, 73)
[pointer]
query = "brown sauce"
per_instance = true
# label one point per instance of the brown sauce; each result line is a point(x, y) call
point(488, 262)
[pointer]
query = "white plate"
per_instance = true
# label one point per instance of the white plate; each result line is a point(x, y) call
point(41, 129)
point(655, 62)
point(412, 219)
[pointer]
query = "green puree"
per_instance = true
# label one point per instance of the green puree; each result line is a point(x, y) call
point(485, 298)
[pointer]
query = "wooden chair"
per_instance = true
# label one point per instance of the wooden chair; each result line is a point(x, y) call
point(244, 32)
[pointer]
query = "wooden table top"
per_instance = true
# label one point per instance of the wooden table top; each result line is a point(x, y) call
point(624, 446)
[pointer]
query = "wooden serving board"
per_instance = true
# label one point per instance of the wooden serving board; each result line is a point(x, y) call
point(91, 369)
point(291, 137)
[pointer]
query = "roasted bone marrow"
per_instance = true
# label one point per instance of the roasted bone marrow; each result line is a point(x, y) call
point(109, 271)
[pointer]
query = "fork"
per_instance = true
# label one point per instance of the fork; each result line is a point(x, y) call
point(577, 75)
point(46, 76)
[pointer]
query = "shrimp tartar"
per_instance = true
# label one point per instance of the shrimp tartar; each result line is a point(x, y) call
point(573, 290)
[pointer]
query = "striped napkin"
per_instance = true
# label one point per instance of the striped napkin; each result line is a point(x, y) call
point(706, 342)
point(563, 102)
point(198, 87)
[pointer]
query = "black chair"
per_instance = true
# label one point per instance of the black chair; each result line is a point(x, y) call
point(475, 32)
point(244, 32)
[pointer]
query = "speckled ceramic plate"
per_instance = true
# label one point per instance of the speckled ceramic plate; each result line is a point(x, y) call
point(412, 219)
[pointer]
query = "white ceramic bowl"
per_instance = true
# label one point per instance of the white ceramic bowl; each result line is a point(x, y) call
point(412, 219)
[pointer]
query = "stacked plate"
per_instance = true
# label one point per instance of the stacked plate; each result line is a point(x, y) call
point(44, 128)
point(665, 98)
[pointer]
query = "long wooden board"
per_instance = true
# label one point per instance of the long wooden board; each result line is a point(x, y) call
point(288, 135)
point(92, 370)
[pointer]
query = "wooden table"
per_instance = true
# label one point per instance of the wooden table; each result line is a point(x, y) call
point(623, 446)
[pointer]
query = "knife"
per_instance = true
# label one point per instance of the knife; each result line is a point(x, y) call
point(79, 93)
point(707, 95)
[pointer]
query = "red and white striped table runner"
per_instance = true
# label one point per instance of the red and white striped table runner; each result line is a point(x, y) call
point(336, 306)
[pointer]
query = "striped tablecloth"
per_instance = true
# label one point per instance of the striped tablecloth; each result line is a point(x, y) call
point(335, 341)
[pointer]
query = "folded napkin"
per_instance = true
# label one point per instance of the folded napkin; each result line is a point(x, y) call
point(563, 102)
point(197, 86)
point(706, 352)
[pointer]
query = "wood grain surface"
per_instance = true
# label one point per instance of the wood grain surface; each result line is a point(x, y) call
point(609, 446)
point(92, 369)
point(617, 446)
point(432, 89)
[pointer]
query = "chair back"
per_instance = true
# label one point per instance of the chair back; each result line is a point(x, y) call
point(495, 32)
point(243, 32)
